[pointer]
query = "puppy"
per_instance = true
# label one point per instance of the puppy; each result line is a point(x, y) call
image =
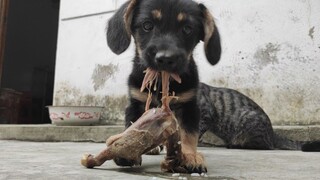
point(165, 33)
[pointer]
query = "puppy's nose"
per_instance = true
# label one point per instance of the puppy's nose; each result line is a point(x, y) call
point(166, 59)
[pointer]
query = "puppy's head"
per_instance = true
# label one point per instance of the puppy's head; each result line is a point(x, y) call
point(165, 32)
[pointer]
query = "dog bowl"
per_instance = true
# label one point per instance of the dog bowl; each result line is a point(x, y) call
point(75, 115)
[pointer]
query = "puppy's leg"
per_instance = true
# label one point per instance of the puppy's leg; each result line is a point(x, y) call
point(192, 160)
point(133, 113)
point(172, 161)
point(182, 156)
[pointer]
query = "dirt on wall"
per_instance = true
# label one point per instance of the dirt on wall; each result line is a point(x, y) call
point(281, 77)
point(101, 74)
point(267, 55)
point(114, 106)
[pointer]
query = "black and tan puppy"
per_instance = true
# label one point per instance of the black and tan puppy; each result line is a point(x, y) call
point(165, 33)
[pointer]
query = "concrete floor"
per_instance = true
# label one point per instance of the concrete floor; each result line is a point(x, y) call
point(48, 160)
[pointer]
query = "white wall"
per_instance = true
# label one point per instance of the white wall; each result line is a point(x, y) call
point(271, 50)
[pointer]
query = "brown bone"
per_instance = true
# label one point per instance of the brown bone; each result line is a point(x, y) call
point(149, 131)
point(153, 128)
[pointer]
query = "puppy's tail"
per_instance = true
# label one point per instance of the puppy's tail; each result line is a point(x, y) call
point(284, 143)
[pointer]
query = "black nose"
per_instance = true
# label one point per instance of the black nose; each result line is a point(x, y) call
point(166, 59)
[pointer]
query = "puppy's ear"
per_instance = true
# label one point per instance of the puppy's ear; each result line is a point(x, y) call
point(119, 28)
point(211, 37)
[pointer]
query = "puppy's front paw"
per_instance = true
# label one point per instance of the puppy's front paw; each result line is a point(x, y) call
point(193, 163)
point(172, 165)
point(189, 163)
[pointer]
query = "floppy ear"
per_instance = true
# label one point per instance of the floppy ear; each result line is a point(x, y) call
point(211, 37)
point(119, 28)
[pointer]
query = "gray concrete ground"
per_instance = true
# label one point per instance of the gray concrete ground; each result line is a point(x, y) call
point(61, 160)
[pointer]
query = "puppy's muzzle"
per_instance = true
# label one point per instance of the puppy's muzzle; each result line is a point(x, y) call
point(166, 57)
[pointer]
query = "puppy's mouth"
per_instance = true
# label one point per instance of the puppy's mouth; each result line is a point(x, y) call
point(172, 61)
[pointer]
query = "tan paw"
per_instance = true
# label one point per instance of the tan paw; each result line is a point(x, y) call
point(189, 163)
point(193, 163)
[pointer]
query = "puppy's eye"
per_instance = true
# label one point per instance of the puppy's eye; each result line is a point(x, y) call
point(147, 26)
point(187, 30)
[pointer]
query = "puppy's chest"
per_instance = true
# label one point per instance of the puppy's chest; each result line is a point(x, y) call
point(156, 95)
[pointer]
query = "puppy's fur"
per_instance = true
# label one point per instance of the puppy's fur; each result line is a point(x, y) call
point(165, 33)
